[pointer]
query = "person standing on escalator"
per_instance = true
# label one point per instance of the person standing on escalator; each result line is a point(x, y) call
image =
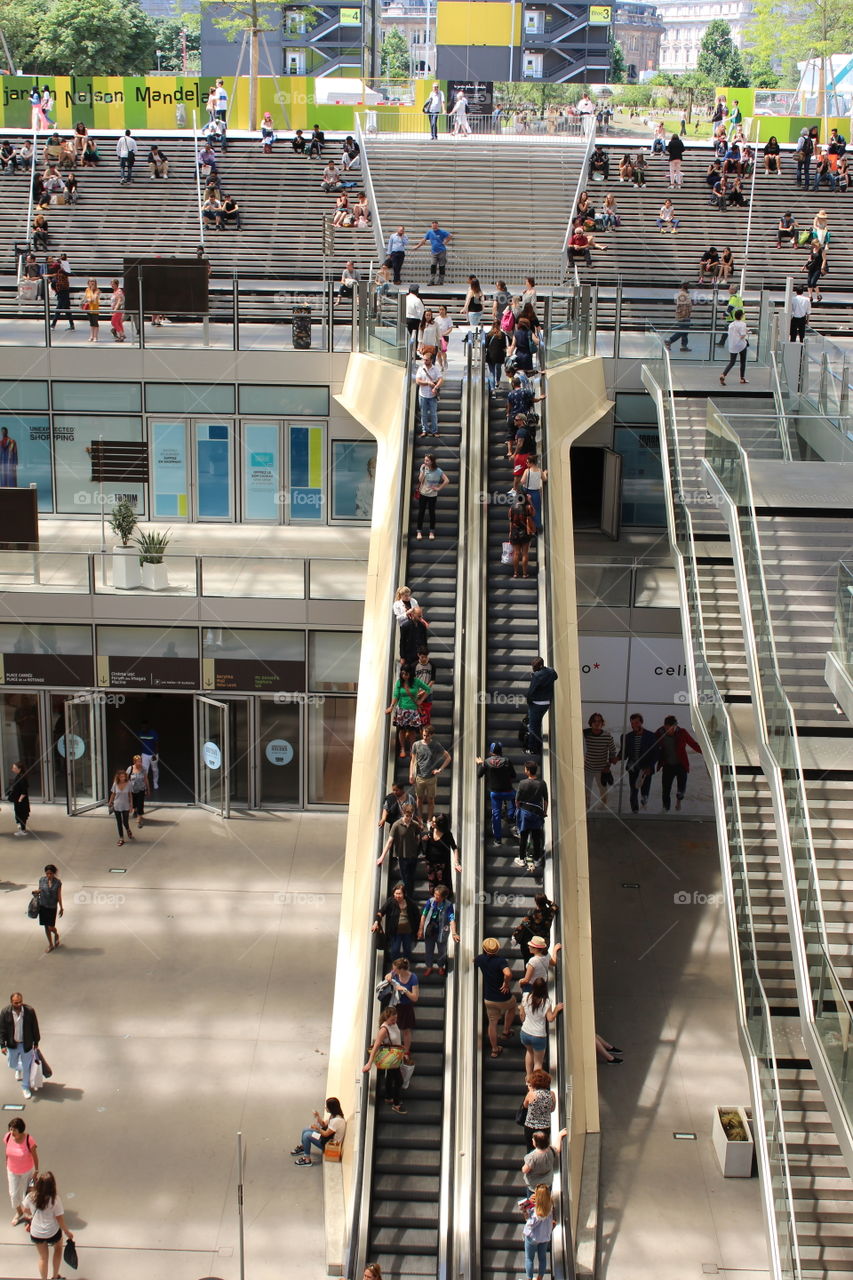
point(431, 481)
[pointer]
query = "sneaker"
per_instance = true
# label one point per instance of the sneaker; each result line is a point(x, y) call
point(27, 1093)
point(20, 833)
point(686, 348)
point(297, 1151)
point(677, 802)
point(498, 843)
point(644, 802)
point(519, 862)
point(304, 1162)
point(19, 1075)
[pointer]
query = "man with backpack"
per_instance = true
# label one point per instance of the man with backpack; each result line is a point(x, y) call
point(500, 775)
point(803, 157)
point(683, 312)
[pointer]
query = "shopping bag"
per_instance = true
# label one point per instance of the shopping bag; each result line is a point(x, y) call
point(804, 238)
point(28, 289)
point(407, 1070)
point(36, 1075)
point(506, 553)
point(332, 1151)
point(69, 1255)
point(388, 1057)
point(46, 1069)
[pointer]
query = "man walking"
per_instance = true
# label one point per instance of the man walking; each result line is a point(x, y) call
point(434, 107)
point(683, 312)
point(404, 838)
point(540, 695)
point(800, 309)
point(500, 775)
point(126, 152)
point(428, 760)
point(19, 1038)
point(429, 380)
point(803, 156)
point(499, 1002)
point(62, 288)
point(438, 239)
point(398, 243)
point(673, 763)
point(149, 743)
point(531, 800)
point(639, 755)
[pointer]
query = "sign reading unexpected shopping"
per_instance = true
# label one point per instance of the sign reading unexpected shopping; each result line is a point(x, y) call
point(600, 15)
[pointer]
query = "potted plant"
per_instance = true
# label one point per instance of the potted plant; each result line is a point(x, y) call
point(152, 547)
point(733, 1141)
point(126, 572)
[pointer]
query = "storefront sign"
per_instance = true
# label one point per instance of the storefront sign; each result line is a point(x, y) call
point(72, 745)
point(147, 672)
point(253, 676)
point(211, 755)
point(73, 670)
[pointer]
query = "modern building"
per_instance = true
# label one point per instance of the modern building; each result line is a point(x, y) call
point(686, 22)
point(335, 38)
point(638, 30)
point(416, 21)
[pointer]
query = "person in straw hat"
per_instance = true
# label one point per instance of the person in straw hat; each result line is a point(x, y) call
point(499, 1003)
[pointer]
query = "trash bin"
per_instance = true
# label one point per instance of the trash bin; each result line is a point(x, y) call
point(301, 327)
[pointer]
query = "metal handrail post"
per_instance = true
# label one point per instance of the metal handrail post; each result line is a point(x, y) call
point(368, 186)
point(197, 180)
point(30, 203)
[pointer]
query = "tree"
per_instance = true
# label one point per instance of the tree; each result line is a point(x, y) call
point(394, 60)
point(95, 37)
point(719, 58)
point(617, 60)
point(21, 23)
point(761, 72)
point(787, 31)
point(170, 42)
point(535, 95)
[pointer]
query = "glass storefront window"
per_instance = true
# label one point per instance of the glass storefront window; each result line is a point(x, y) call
point(25, 456)
point(72, 440)
point(46, 653)
point(306, 496)
point(20, 738)
point(98, 397)
point(261, 471)
point(331, 730)
point(282, 402)
point(333, 658)
point(213, 470)
point(279, 754)
point(353, 475)
point(642, 477)
point(169, 470)
point(28, 396)
point(193, 398)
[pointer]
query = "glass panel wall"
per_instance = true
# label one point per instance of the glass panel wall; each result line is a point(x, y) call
point(25, 455)
point(331, 729)
point(213, 471)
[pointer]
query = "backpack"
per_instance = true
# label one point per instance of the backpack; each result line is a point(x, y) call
point(683, 310)
point(807, 147)
point(507, 322)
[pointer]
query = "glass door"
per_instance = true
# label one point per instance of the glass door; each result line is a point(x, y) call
point(81, 747)
point(213, 471)
point(213, 755)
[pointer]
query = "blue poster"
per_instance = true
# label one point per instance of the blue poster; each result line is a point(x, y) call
point(213, 471)
point(306, 473)
point(353, 475)
point(169, 457)
point(25, 456)
point(261, 489)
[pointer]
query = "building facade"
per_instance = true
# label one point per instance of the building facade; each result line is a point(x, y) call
point(416, 21)
point(334, 38)
point(502, 40)
point(639, 31)
point(686, 21)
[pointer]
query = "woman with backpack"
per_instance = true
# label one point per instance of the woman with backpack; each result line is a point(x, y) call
point(522, 527)
point(496, 345)
point(524, 343)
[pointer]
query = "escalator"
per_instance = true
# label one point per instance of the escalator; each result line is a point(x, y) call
point(512, 642)
point(404, 1233)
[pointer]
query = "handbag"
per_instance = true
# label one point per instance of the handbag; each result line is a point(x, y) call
point(333, 1151)
point(69, 1255)
point(606, 778)
point(506, 553)
point(381, 938)
point(389, 1057)
point(521, 1115)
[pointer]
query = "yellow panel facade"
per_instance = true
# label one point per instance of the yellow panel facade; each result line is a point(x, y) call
point(474, 22)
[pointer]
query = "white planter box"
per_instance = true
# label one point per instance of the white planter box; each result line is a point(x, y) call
point(127, 572)
point(735, 1158)
point(155, 577)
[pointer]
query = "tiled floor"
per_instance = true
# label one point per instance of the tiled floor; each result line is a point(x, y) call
point(664, 994)
point(190, 998)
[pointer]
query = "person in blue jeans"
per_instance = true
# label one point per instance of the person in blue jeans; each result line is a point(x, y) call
point(429, 380)
point(400, 915)
point(438, 239)
point(322, 1130)
point(438, 923)
point(403, 838)
point(500, 775)
point(537, 1232)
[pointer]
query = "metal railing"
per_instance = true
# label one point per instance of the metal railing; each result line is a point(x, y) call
point(392, 121)
point(373, 204)
point(29, 224)
point(842, 635)
point(588, 132)
point(712, 722)
point(197, 168)
point(827, 1020)
point(275, 577)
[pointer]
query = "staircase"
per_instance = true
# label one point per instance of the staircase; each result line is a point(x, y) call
point(281, 207)
point(506, 200)
point(640, 254)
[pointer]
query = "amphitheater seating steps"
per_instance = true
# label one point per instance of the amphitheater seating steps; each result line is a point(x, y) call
point(279, 196)
point(640, 254)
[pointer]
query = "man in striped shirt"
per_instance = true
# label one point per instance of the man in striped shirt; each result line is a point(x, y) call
point(599, 753)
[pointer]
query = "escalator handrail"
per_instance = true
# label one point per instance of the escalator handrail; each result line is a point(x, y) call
point(360, 1225)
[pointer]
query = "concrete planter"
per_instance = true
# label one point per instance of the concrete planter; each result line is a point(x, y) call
point(733, 1153)
point(155, 577)
point(127, 574)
